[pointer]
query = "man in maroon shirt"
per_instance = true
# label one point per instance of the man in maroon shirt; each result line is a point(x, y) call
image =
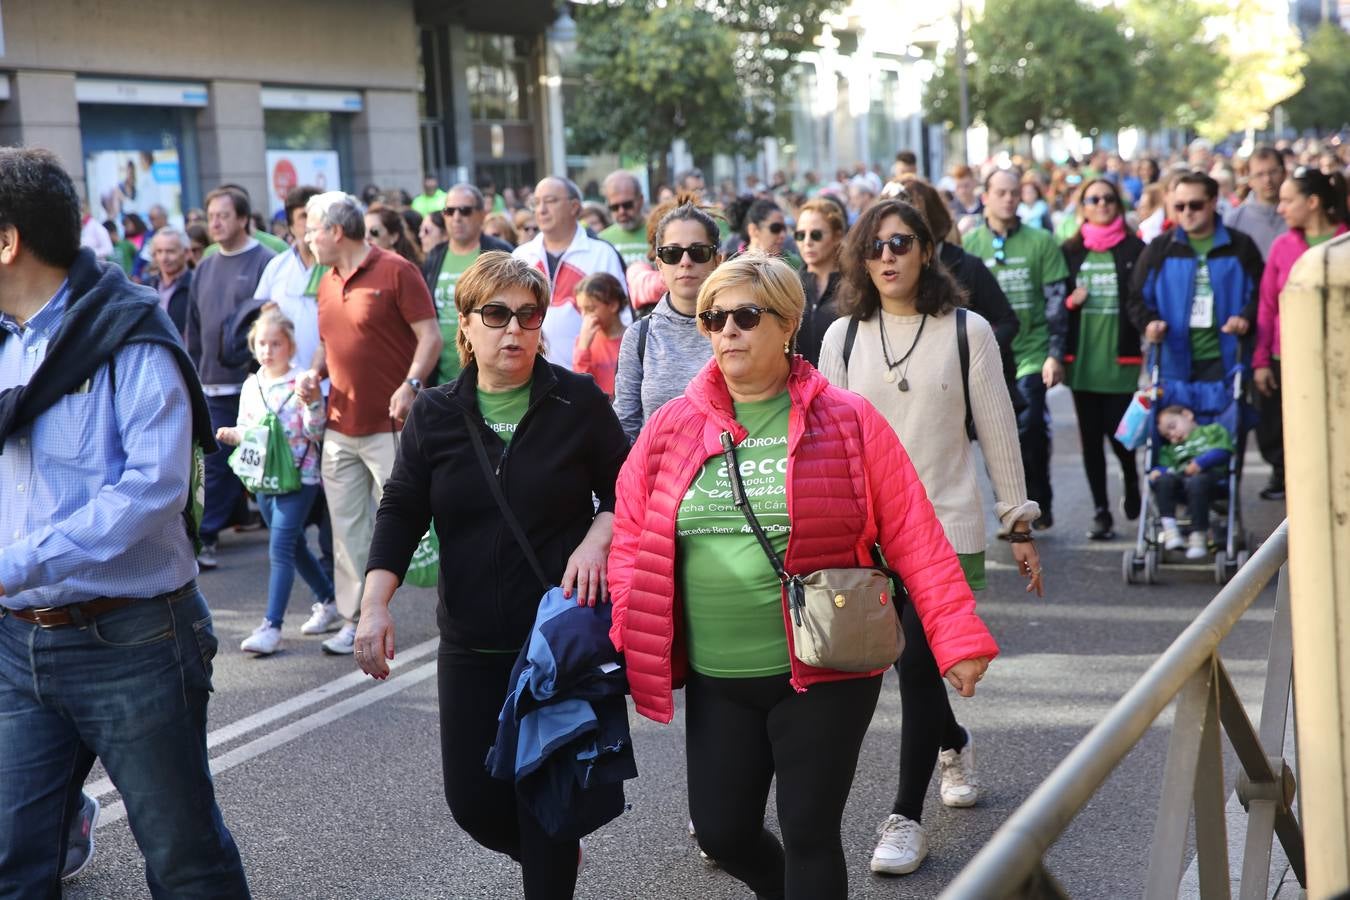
point(378, 340)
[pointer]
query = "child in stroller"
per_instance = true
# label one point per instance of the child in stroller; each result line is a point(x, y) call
point(1194, 464)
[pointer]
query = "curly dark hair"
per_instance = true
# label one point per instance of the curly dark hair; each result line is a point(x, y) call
point(37, 198)
point(938, 291)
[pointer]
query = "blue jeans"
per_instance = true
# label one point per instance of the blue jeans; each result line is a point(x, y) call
point(286, 515)
point(223, 488)
point(131, 689)
point(1033, 433)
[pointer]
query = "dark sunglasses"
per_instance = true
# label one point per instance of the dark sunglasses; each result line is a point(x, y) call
point(498, 315)
point(671, 254)
point(465, 211)
point(746, 317)
point(625, 205)
point(900, 245)
point(999, 256)
point(374, 232)
point(815, 234)
point(776, 227)
point(1192, 205)
point(1100, 200)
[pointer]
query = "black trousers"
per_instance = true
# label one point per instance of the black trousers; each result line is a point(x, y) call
point(1270, 430)
point(1199, 491)
point(739, 733)
point(927, 722)
point(1098, 416)
point(472, 689)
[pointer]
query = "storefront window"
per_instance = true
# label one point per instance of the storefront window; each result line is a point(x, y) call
point(496, 75)
point(306, 147)
point(137, 157)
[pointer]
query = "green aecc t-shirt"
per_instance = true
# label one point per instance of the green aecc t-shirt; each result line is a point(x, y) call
point(454, 265)
point(631, 244)
point(1030, 260)
point(1094, 368)
point(732, 599)
point(1204, 324)
point(503, 412)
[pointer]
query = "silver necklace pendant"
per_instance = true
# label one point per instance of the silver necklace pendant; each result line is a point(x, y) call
point(904, 384)
point(889, 376)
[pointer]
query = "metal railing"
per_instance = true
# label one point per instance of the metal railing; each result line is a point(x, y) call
point(1012, 863)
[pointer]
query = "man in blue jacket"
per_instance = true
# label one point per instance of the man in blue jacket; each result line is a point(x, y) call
point(1195, 286)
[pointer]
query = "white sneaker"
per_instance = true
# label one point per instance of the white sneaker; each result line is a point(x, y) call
point(903, 846)
point(1197, 546)
point(323, 618)
point(1171, 539)
point(264, 641)
point(960, 787)
point(342, 643)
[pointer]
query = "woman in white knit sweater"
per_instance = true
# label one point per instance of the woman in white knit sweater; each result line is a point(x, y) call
point(899, 301)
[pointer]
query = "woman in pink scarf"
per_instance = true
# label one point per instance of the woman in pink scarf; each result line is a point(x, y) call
point(1102, 348)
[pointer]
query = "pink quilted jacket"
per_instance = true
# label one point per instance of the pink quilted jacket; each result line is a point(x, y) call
point(849, 485)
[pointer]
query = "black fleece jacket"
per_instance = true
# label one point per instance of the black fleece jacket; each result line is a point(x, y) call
point(567, 446)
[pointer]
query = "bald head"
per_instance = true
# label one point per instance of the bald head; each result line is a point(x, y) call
point(557, 205)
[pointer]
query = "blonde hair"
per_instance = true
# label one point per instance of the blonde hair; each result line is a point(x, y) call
point(770, 281)
point(271, 316)
point(491, 274)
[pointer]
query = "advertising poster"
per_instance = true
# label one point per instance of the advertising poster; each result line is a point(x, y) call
point(132, 181)
point(288, 169)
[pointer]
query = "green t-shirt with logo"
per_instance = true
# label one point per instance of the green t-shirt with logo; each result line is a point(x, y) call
point(732, 598)
point(454, 265)
point(1030, 260)
point(631, 244)
point(1201, 440)
point(1095, 367)
point(1204, 324)
point(502, 412)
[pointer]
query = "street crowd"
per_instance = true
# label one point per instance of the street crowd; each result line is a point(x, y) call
point(726, 434)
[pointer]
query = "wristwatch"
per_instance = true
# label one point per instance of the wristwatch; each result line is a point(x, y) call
point(415, 384)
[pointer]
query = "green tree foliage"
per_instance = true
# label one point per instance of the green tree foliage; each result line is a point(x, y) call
point(1324, 102)
point(711, 72)
point(1033, 63)
point(1177, 71)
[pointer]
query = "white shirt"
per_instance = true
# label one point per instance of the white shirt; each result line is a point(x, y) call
point(284, 282)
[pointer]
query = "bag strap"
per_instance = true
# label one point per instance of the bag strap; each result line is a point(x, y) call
point(963, 351)
point(849, 337)
point(475, 435)
point(793, 585)
point(643, 327)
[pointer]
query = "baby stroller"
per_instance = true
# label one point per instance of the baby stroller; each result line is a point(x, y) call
point(1211, 401)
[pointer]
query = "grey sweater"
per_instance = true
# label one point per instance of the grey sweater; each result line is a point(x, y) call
point(676, 351)
point(220, 285)
point(1259, 221)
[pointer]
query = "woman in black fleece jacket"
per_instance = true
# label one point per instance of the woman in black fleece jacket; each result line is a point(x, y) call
point(553, 441)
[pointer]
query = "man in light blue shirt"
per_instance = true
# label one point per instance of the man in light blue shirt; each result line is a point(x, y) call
point(99, 607)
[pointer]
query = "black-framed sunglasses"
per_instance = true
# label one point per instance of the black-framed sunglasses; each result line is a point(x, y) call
point(776, 227)
point(815, 234)
point(1100, 200)
point(498, 315)
point(624, 205)
point(1192, 205)
point(999, 256)
point(465, 211)
point(671, 254)
point(746, 317)
point(900, 245)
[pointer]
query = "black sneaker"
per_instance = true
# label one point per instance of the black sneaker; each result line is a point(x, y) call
point(1130, 503)
point(1103, 527)
point(1045, 521)
point(1272, 492)
point(80, 843)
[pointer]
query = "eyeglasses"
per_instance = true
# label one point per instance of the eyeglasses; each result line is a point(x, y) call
point(465, 211)
point(536, 202)
point(815, 234)
point(999, 256)
point(1192, 205)
point(776, 227)
point(1100, 200)
point(900, 245)
point(671, 254)
point(625, 205)
point(746, 317)
point(498, 315)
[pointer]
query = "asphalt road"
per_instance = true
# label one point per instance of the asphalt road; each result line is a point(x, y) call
point(331, 783)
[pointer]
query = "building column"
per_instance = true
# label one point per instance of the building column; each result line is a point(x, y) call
point(42, 112)
point(460, 108)
point(232, 144)
point(386, 143)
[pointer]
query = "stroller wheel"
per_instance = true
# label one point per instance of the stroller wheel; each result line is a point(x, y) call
point(1220, 567)
point(1151, 566)
point(1242, 557)
point(1127, 568)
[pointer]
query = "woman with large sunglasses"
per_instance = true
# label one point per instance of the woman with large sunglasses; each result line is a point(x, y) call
point(820, 230)
point(905, 359)
point(1313, 205)
point(664, 350)
point(1102, 347)
point(552, 441)
point(761, 226)
point(697, 601)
